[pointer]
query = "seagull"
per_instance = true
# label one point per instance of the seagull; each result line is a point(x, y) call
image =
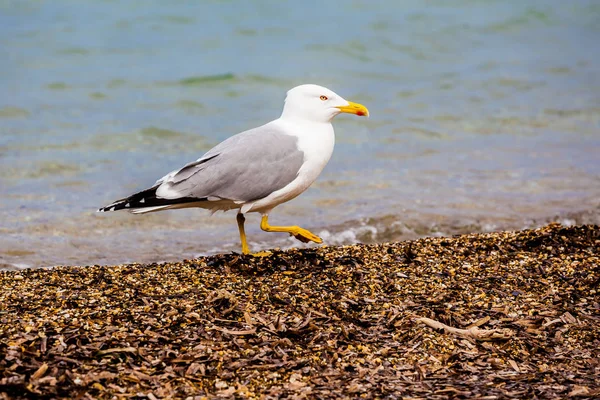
point(258, 169)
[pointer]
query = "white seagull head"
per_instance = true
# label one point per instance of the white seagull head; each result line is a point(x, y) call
point(318, 104)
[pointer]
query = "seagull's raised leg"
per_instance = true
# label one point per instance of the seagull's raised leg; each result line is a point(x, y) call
point(301, 234)
point(240, 221)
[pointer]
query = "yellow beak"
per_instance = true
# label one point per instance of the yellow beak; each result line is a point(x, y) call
point(354, 108)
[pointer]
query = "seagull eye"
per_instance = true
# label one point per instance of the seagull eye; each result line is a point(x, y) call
point(323, 98)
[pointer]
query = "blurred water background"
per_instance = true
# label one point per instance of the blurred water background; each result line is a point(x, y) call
point(485, 116)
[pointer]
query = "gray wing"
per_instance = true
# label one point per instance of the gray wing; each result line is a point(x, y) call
point(246, 167)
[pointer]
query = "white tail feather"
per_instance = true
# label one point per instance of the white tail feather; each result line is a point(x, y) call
point(148, 209)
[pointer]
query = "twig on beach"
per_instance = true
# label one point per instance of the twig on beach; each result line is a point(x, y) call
point(472, 333)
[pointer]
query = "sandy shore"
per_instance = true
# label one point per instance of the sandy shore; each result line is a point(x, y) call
point(501, 315)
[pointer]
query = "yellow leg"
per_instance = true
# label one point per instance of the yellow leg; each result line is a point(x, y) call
point(301, 234)
point(240, 221)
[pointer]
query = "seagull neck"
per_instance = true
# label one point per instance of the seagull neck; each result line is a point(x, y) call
point(288, 118)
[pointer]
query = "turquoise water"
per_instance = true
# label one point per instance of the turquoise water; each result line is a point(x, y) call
point(485, 116)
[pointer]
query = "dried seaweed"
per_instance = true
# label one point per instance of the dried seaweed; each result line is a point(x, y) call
point(500, 315)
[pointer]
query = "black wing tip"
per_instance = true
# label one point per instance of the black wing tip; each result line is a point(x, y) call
point(117, 205)
point(112, 207)
point(146, 199)
point(137, 200)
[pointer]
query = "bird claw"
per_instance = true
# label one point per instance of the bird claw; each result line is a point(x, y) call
point(261, 254)
point(305, 236)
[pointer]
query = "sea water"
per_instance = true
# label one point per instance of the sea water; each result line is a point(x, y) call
point(485, 115)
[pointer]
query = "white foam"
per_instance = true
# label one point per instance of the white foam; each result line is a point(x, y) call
point(14, 267)
point(489, 227)
point(568, 222)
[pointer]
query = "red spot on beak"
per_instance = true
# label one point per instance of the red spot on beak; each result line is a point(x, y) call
point(360, 113)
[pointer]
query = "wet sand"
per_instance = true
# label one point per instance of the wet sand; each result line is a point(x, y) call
point(499, 315)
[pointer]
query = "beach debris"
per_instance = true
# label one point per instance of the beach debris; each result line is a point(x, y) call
point(471, 333)
point(489, 316)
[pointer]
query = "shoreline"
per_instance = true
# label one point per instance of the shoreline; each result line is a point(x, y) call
point(135, 244)
point(503, 314)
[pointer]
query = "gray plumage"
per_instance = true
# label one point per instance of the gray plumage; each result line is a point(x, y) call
point(245, 167)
